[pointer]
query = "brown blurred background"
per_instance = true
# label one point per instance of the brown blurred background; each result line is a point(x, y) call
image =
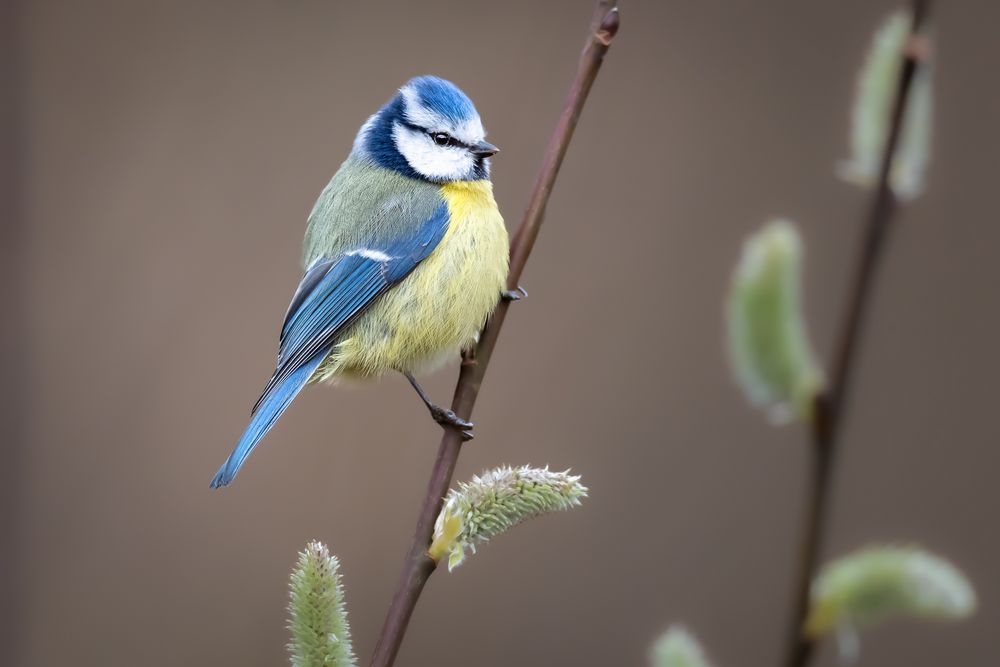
point(166, 155)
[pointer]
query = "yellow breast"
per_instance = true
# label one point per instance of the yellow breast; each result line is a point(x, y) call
point(440, 307)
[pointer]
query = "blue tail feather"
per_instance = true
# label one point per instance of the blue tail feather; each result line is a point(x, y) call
point(265, 416)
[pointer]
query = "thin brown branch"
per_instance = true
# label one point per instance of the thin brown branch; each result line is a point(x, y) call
point(831, 403)
point(418, 566)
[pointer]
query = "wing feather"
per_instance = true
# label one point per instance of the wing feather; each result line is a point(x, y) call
point(335, 291)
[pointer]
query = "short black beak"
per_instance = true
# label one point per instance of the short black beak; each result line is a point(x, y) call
point(484, 149)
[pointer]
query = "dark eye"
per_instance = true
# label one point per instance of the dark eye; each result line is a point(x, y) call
point(441, 139)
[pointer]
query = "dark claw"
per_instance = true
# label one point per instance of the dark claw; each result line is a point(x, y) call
point(449, 418)
point(446, 418)
point(514, 294)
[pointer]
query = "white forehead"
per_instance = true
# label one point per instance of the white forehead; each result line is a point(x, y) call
point(468, 131)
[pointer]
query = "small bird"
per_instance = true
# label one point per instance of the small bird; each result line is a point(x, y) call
point(405, 257)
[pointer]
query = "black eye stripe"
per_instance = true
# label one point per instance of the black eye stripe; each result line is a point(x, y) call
point(452, 141)
point(448, 140)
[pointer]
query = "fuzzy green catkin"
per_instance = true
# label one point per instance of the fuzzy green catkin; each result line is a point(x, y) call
point(321, 635)
point(494, 502)
point(881, 582)
point(769, 348)
point(678, 648)
point(872, 110)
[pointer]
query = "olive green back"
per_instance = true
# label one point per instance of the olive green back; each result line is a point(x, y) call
point(365, 205)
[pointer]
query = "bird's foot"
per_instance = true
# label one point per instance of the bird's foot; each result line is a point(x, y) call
point(448, 419)
point(514, 294)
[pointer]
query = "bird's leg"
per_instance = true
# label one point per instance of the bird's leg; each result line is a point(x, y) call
point(514, 294)
point(446, 418)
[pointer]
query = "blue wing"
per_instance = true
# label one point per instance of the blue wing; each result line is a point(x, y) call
point(332, 294)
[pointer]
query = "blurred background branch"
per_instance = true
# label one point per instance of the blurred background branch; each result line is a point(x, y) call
point(830, 403)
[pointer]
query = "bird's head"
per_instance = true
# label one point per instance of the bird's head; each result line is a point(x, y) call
point(429, 130)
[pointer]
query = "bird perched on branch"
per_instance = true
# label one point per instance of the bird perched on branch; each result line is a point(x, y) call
point(405, 257)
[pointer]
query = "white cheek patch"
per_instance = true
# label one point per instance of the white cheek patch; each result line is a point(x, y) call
point(439, 163)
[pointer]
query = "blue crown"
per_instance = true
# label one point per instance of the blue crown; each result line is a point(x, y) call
point(442, 97)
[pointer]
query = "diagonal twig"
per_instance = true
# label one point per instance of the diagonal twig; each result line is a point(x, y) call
point(829, 406)
point(418, 566)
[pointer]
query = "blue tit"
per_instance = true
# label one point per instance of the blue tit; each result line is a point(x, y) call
point(405, 257)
